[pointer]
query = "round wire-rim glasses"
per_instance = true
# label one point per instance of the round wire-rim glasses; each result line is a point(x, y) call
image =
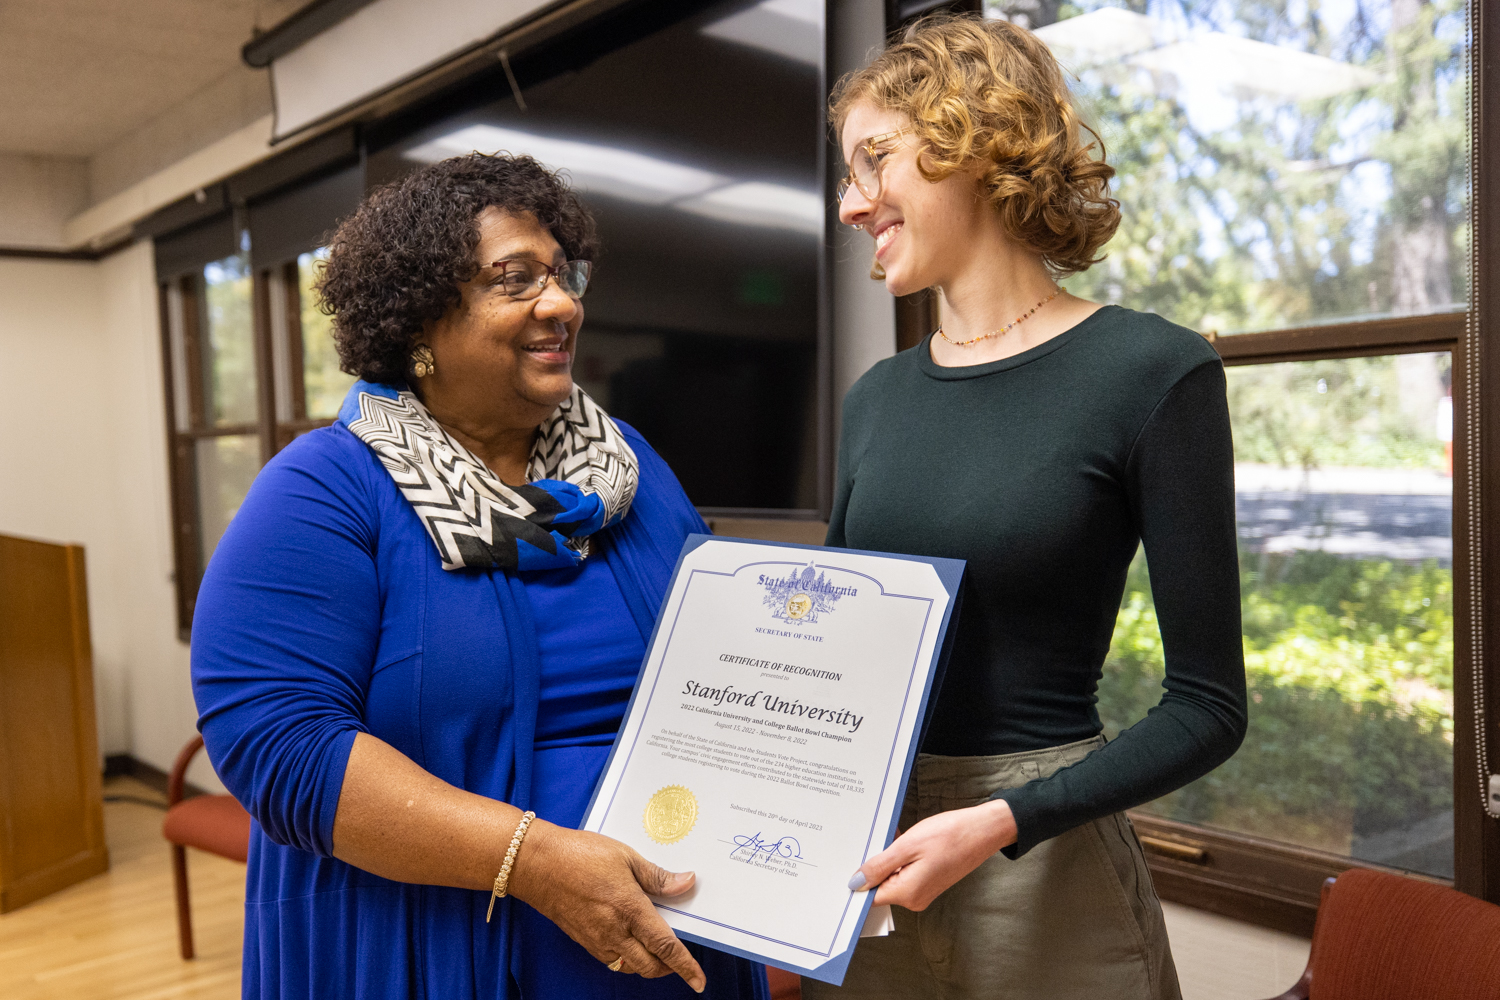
point(523, 278)
point(864, 168)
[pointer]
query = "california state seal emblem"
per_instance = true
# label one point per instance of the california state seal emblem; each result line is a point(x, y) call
point(670, 814)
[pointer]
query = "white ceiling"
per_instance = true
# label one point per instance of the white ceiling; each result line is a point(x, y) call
point(78, 75)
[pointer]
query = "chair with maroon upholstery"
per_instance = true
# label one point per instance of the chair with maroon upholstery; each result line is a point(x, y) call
point(1384, 937)
point(214, 823)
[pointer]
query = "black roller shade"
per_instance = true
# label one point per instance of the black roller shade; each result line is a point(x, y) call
point(205, 203)
point(300, 219)
point(186, 250)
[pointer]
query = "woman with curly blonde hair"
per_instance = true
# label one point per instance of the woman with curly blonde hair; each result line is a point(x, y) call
point(1042, 438)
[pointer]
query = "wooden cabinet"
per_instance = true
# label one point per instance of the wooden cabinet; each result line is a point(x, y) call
point(51, 797)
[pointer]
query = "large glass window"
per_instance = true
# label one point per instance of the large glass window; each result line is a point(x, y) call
point(1279, 164)
point(217, 407)
point(1344, 497)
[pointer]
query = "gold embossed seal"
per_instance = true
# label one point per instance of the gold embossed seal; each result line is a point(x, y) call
point(670, 814)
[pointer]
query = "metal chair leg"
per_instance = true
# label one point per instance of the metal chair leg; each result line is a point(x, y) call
point(184, 908)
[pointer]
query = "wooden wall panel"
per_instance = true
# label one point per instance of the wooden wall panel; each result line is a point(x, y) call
point(51, 802)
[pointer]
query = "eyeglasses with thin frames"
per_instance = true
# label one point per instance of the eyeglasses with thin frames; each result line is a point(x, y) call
point(523, 278)
point(864, 167)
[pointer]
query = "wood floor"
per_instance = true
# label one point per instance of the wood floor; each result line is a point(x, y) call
point(114, 937)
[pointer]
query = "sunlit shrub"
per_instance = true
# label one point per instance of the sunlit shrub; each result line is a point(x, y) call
point(1349, 666)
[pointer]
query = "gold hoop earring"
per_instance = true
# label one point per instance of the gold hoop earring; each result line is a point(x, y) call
point(421, 361)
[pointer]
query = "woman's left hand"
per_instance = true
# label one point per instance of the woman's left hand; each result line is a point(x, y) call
point(934, 854)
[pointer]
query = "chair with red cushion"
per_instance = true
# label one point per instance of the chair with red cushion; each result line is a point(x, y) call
point(1384, 937)
point(214, 823)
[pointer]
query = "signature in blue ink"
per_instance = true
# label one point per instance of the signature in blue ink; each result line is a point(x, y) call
point(786, 847)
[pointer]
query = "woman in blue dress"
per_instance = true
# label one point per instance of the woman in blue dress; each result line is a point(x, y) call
point(423, 626)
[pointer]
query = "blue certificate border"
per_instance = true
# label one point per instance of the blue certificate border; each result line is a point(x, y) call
point(950, 575)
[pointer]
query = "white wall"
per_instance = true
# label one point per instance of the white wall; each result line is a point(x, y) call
point(58, 480)
point(84, 452)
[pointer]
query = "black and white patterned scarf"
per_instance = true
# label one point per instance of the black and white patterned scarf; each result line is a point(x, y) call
point(582, 477)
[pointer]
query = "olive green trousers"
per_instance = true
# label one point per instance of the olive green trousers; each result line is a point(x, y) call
point(1075, 918)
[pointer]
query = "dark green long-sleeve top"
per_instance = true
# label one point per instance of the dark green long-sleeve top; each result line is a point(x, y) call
point(1044, 471)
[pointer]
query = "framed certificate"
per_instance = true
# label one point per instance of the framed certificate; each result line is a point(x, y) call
point(770, 737)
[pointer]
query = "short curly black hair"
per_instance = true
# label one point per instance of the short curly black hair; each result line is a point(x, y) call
point(398, 261)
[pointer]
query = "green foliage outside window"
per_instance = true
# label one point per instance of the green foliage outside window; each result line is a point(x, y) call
point(1349, 665)
point(229, 364)
point(1346, 412)
point(323, 382)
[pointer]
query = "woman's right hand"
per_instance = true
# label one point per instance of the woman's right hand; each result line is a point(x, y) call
point(596, 890)
point(402, 823)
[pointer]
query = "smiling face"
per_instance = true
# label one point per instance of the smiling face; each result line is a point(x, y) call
point(924, 231)
point(499, 361)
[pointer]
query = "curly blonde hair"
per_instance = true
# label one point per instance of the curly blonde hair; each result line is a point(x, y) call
point(991, 92)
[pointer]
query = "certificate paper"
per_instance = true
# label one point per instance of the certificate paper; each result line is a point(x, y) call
point(770, 736)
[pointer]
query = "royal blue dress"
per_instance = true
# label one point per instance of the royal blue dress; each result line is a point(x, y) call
point(325, 613)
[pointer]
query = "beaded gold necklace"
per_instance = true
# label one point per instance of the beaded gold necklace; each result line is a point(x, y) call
point(1004, 329)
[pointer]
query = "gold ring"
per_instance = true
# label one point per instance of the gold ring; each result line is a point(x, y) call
point(616, 964)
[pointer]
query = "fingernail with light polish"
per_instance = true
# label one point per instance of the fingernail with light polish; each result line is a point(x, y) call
point(857, 881)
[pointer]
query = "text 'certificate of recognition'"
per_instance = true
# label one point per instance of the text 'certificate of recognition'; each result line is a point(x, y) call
point(770, 736)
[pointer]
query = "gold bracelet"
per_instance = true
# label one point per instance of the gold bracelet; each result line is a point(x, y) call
point(502, 881)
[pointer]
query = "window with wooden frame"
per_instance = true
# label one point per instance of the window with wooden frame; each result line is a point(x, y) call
point(249, 357)
point(250, 365)
point(1299, 184)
